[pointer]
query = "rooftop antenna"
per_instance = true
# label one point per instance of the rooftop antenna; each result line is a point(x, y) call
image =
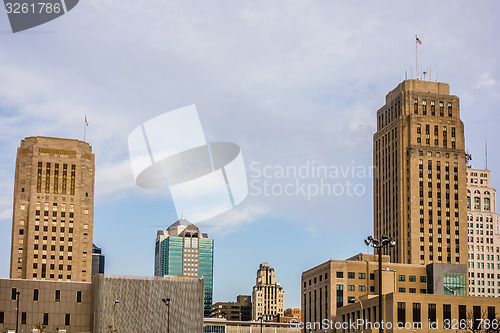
point(425, 73)
point(486, 153)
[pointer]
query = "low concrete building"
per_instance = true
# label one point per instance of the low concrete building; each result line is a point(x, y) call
point(147, 304)
point(58, 305)
point(336, 283)
point(418, 313)
point(218, 325)
point(122, 303)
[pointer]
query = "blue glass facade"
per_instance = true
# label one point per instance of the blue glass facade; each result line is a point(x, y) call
point(206, 271)
point(181, 251)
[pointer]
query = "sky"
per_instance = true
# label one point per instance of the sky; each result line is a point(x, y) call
point(296, 84)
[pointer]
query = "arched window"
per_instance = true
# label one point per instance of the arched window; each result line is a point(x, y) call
point(477, 203)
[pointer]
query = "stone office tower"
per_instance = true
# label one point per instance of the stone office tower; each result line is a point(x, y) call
point(419, 178)
point(268, 296)
point(53, 210)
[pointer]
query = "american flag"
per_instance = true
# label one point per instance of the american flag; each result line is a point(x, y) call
point(86, 123)
point(418, 40)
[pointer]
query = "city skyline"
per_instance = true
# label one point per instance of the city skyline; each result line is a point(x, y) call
point(287, 93)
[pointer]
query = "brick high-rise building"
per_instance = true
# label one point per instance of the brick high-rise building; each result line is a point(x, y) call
point(419, 181)
point(53, 210)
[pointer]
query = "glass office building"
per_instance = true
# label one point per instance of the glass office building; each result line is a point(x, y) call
point(183, 250)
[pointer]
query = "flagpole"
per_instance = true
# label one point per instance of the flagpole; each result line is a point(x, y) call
point(85, 129)
point(416, 56)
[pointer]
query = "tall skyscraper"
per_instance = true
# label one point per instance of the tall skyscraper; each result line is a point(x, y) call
point(183, 250)
point(419, 178)
point(484, 237)
point(53, 210)
point(268, 297)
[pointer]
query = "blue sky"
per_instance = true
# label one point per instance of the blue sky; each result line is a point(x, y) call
point(290, 82)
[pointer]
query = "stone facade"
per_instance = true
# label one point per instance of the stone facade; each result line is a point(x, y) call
point(268, 297)
point(136, 304)
point(52, 223)
point(336, 283)
point(484, 237)
point(436, 313)
point(419, 181)
point(63, 305)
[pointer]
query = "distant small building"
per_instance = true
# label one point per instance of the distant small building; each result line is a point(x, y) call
point(290, 315)
point(241, 310)
point(98, 260)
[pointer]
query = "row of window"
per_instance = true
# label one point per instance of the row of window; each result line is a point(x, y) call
point(57, 295)
point(315, 280)
point(45, 320)
point(55, 185)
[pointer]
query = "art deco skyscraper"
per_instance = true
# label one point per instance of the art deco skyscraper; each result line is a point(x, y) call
point(268, 296)
point(419, 178)
point(53, 210)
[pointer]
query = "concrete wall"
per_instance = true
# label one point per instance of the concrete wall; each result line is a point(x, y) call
point(140, 307)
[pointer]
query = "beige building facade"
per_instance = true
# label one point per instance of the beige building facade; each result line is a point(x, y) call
point(419, 181)
point(63, 305)
point(328, 287)
point(53, 210)
point(483, 235)
point(268, 297)
point(420, 313)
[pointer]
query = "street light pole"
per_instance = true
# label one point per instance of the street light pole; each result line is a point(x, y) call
point(167, 303)
point(379, 244)
point(17, 311)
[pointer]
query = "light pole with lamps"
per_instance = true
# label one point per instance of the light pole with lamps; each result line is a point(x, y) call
point(378, 244)
point(17, 311)
point(167, 303)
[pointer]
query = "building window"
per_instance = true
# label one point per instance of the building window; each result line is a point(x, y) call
point(351, 288)
point(362, 288)
point(14, 294)
point(58, 296)
point(412, 278)
point(431, 312)
point(447, 312)
point(23, 318)
point(402, 290)
point(45, 319)
point(351, 275)
point(35, 294)
point(401, 312)
point(362, 276)
point(67, 319)
point(401, 278)
point(79, 296)
point(462, 313)
point(416, 313)
point(412, 290)
point(1, 317)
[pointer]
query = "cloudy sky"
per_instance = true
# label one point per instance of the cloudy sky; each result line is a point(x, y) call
point(293, 83)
